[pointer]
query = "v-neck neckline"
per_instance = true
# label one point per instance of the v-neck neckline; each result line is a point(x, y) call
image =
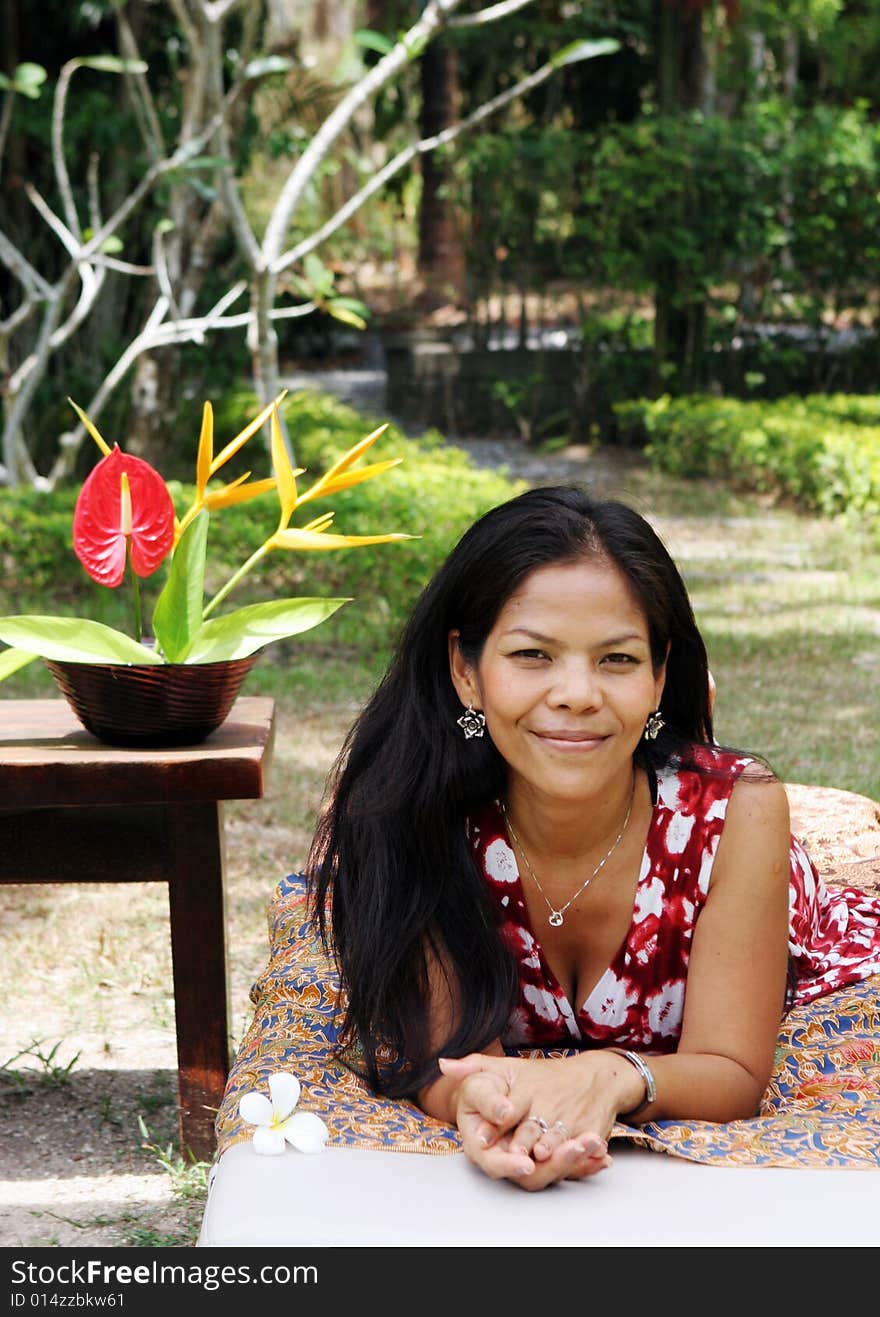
point(550, 979)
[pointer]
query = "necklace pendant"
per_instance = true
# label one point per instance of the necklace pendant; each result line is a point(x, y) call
point(555, 920)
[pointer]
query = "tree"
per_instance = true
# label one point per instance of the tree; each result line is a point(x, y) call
point(441, 252)
point(208, 120)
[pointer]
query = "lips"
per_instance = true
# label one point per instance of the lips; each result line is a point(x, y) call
point(574, 737)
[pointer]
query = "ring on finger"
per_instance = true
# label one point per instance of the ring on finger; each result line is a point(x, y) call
point(539, 1121)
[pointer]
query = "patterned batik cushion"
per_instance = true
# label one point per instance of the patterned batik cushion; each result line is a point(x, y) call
point(821, 1109)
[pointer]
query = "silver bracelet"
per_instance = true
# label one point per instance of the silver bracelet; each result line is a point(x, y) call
point(644, 1070)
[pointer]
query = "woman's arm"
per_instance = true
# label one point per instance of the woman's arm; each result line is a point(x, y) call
point(737, 971)
point(440, 1098)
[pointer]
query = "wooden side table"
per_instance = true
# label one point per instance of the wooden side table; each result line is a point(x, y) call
point(77, 811)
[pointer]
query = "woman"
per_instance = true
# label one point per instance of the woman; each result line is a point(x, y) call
point(533, 841)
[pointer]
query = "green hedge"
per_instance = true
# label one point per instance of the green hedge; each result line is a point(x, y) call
point(434, 494)
point(822, 451)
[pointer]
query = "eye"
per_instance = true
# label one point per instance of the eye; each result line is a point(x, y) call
point(529, 654)
point(621, 660)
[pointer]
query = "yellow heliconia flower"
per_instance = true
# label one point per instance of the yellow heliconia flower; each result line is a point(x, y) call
point(314, 539)
point(238, 491)
point(92, 429)
point(314, 535)
point(251, 428)
point(205, 453)
point(207, 465)
point(285, 476)
point(340, 477)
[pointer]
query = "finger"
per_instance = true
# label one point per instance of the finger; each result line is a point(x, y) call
point(488, 1096)
point(572, 1153)
point(527, 1134)
point(591, 1145)
point(484, 1103)
point(459, 1067)
point(501, 1162)
point(477, 1135)
point(590, 1167)
point(551, 1138)
point(580, 1165)
point(467, 1067)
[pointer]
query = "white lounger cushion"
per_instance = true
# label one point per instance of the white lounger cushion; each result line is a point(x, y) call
point(347, 1196)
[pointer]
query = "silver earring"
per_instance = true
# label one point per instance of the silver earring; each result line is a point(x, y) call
point(472, 722)
point(654, 725)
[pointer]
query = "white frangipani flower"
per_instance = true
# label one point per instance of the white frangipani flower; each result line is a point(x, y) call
point(276, 1122)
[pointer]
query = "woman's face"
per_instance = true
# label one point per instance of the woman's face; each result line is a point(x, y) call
point(565, 679)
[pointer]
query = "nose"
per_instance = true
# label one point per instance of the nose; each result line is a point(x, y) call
point(576, 686)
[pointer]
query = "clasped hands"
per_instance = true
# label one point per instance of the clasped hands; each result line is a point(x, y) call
point(534, 1121)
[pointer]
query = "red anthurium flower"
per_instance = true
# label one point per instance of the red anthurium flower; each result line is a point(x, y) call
point(124, 501)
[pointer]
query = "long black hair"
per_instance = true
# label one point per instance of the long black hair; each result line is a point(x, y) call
point(393, 884)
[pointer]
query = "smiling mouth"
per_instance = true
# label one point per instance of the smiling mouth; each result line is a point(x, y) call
point(571, 738)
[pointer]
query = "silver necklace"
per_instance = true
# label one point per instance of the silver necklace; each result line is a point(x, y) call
point(556, 919)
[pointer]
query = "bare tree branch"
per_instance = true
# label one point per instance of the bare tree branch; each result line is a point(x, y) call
point(411, 43)
point(181, 13)
point(58, 227)
point(237, 216)
point(58, 161)
point(157, 332)
point(23, 270)
point(161, 266)
point(181, 156)
point(5, 120)
point(215, 12)
point(123, 267)
point(490, 15)
point(403, 158)
point(19, 316)
point(20, 401)
point(141, 95)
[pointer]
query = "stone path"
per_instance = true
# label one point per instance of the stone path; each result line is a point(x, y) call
point(365, 388)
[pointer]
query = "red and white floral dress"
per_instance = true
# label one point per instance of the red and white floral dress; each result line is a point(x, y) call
point(834, 933)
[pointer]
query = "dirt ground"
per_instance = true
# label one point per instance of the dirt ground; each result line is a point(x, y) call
point(88, 1080)
point(87, 1045)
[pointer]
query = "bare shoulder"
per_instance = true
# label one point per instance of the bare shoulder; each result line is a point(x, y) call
point(759, 798)
point(757, 830)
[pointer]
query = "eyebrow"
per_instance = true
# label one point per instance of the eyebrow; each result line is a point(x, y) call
point(550, 640)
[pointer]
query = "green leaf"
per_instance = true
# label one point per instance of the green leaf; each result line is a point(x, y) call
point(112, 64)
point(27, 79)
point(165, 225)
point(111, 245)
point(352, 304)
point(178, 612)
point(202, 190)
point(317, 274)
point(259, 68)
point(581, 50)
point(73, 640)
point(305, 289)
point(235, 635)
point(414, 46)
point(28, 72)
point(367, 39)
point(207, 162)
point(347, 317)
point(13, 659)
